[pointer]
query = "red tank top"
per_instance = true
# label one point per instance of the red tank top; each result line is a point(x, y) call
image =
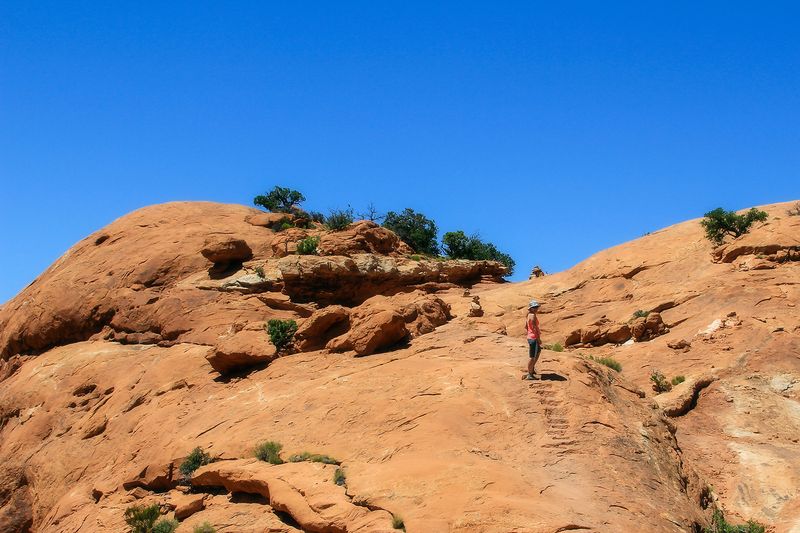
point(533, 328)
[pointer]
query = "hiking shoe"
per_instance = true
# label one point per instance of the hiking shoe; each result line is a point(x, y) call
point(529, 377)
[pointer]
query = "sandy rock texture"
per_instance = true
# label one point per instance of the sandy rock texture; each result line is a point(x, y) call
point(155, 350)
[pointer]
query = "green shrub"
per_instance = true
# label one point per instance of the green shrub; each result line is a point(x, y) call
point(317, 217)
point(610, 362)
point(141, 518)
point(677, 380)
point(415, 229)
point(660, 383)
point(193, 461)
point(313, 457)
point(339, 219)
point(308, 246)
point(555, 347)
point(339, 477)
point(719, 223)
point(280, 200)
point(397, 522)
point(720, 525)
point(205, 527)
point(416, 257)
point(260, 272)
point(165, 525)
point(270, 452)
point(281, 332)
point(457, 245)
point(640, 314)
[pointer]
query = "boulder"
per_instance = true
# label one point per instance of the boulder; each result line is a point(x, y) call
point(154, 477)
point(188, 504)
point(226, 249)
point(268, 220)
point(241, 350)
point(372, 333)
point(315, 331)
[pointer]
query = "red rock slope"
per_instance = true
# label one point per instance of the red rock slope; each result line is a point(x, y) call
point(134, 348)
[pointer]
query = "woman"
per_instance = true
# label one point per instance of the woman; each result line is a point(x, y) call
point(534, 339)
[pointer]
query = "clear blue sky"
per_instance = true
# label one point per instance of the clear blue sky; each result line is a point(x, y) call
point(554, 129)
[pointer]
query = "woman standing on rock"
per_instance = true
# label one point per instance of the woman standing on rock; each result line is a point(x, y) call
point(534, 339)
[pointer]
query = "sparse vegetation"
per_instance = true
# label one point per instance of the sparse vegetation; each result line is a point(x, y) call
point(397, 522)
point(269, 451)
point(307, 246)
point(280, 200)
point(205, 527)
point(457, 245)
point(339, 477)
point(193, 461)
point(281, 332)
point(284, 225)
point(313, 457)
point(720, 525)
point(340, 219)
point(165, 525)
point(141, 518)
point(610, 362)
point(677, 380)
point(317, 217)
point(260, 272)
point(371, 214)
point(416, 257)
point(794, 211)
point(660, 383)
point(640, 314)
point(720, 223)
point(415, 229)
point(555, 347)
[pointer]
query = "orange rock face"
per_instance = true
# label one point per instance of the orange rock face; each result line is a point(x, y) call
point(133, 349)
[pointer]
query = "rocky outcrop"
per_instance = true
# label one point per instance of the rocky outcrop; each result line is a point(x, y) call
point(605, 331)
point(223, 249)
point(351, 280)
point(363, 236)
point(304, 491)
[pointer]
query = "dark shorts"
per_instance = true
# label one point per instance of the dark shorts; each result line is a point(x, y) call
point(534, 348)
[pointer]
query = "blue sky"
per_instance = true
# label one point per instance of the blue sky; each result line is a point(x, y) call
point(553, 130)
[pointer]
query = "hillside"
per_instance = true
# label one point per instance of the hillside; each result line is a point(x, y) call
point(146, 340)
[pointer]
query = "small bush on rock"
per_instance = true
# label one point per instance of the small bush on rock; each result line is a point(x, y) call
point(281, 332)
point(610, 362)
point(141, 518)
point(719, 223)
point(397, 522)
point(457, 245)
point(280, 200)
point(340, 219)
point(165, 525)
point(555, 347)
point(193, 461)
point(677, 380)
point(205, 527)
point(270, 452)
point(308, 246)
point(720, 525)
point(415, 229)
point(313, 457)
point(640, 314)
point(660, 383)
point(339, 477)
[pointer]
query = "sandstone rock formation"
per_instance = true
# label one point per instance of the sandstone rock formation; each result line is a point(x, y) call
point(126, 354)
